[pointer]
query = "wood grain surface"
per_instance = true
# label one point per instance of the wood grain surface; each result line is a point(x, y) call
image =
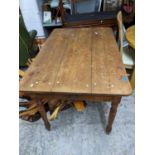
point(78, 61)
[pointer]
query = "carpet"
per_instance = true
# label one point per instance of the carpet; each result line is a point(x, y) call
point(82, 133)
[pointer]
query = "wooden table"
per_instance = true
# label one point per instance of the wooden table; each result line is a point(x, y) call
point(130, 36)
point(78, 64)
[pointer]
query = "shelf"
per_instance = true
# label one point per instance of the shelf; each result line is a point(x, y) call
point(53, 24)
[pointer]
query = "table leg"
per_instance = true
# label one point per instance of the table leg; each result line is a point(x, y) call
point(112, 114)
point(42, 112)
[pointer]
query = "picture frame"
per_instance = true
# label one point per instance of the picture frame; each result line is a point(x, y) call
point(47, 17)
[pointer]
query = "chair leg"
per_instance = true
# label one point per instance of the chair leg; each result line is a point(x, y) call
point(79, 105)
point(132, 81)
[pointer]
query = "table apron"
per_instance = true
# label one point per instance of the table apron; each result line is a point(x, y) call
point(74, 97)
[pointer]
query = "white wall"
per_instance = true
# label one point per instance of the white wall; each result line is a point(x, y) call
point(32, 15)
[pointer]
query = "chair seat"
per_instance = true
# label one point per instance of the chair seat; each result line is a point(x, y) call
point(128, 57)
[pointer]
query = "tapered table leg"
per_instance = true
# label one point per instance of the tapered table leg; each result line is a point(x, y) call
point(43, 114)
point(112, 114)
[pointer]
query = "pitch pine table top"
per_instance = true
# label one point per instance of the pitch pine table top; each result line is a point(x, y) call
point(78, 61)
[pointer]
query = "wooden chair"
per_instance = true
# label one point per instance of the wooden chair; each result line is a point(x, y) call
point(31, 105)
point(27, 48)
point(127, 53)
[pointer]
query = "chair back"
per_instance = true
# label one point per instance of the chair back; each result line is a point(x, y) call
point(26, 47)
point(120, 31)
point(23, 32)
